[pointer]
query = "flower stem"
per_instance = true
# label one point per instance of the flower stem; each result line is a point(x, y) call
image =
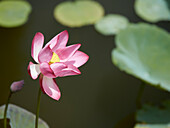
point(38, 108)
point(139, 96)
point(6, 108)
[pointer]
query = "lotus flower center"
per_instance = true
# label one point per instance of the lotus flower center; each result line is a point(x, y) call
point(54, 58)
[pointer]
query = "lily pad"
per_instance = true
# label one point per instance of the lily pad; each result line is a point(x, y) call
point(111, 24)
point(14, 13)
point(152, 10)
point(143, 51)
point(21, 118)
point(152, 126)
point(150, 116)
point(78, 13)
point(168, 2)
point(153, 114)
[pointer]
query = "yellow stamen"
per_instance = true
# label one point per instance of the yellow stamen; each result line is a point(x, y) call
point(54, 58)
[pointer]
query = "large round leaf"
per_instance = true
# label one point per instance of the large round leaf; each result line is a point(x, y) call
point(143, 51)
point(152, 10)
point(111, 24)
point(21, 118)
point(78, 13)
point(14, 13)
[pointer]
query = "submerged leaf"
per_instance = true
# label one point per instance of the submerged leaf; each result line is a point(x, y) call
point(78, 13)
point(143, 51)
point(14, 13)
point(152, 10)
point(111, 24)
point(21, 118)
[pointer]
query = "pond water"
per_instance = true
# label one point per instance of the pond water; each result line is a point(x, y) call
point(99, 97)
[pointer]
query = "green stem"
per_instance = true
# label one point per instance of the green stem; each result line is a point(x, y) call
point(38, 108)
point(139, 96)
point(6, 108)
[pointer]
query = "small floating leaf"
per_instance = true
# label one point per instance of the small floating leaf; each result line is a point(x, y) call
point(150, 116)
point(21, 118)
point(14, 13)
point(152, 126)
point(153, 114)
point(143, 51)
point(152, 10)
point(78, 13)
point(111, 24)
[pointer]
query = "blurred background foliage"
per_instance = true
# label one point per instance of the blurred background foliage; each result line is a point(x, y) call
point(103, 95)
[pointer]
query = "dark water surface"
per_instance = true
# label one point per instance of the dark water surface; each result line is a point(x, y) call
point(99, 97)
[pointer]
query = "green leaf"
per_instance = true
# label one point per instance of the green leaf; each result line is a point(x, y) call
point(150, 116)
point(152, 126)
point(153, 114)
point(78, 13)
point(111, 24)
point(14, 13)
point(143, 51)
point(152, 10)
point(168, 3)
point(21, 118)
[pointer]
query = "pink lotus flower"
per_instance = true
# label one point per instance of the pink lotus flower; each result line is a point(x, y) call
point(54, 60)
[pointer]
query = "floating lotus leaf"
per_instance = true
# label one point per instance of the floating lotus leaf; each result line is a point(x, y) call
point(154, 116)
point(168, 3)
point(152, 10)
point(111, 24)
point(14, 13)
point(152, 126)
point(78, 13)
point(21, 118)
point(143, 51)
